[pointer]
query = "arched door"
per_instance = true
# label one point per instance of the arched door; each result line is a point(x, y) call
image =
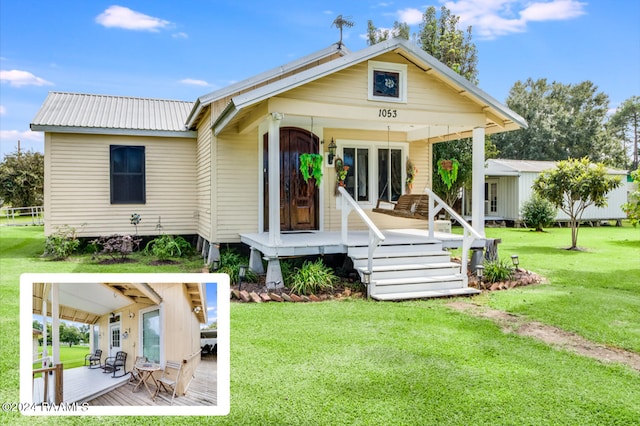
point(298, 199)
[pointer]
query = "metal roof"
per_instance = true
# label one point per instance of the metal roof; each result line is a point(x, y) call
point(84, 113)
point(493, 108)
point(507, 167)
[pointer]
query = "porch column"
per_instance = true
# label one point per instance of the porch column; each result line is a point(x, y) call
point(274, 178)
point(45, 337)
point(55, 323)
point(477, 181)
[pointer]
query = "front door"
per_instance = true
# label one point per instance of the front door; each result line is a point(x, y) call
point(298, 199)
point(114, 339)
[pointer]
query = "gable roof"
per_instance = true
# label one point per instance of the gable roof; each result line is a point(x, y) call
point(87, 113)
point(506, 167)
point(262, 78)
point(500, 114)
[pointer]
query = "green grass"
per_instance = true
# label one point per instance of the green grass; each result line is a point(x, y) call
point(415, 362)
point(71, 357)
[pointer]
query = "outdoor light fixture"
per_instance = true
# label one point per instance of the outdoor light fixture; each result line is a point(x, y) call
point(215, 264)
point(515, 260)
point(332, 151)
point(366, 278)
point(131, 315)
point(242, 273)
point(197, 309)
point(479, 272)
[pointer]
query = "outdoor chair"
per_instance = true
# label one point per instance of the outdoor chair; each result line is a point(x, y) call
point(169, 380)
point(135, 374)
point(94, 358)
point(113, 364)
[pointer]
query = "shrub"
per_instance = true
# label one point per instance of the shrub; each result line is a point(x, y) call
point(538, 213)
point(118, 247)
point(62, 243)
point(312, 277)
point(230, 261)
point(497, 270)
point(167, 246)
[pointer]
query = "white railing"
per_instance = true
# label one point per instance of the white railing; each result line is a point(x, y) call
point(375, 235)
point(36, 213)
point(469, 234)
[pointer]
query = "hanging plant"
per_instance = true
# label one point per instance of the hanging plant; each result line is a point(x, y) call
point(448, 171)
point(311, 166)
point(412, 171)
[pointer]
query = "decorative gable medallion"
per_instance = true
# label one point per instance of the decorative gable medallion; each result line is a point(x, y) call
point(387, 82)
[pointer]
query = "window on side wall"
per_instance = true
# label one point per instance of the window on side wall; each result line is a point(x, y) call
point(127, 174)
point(375, 173)
point(150, 334)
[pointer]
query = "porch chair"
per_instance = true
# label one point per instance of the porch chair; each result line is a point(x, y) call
point(93, 358)
point(112, 363)
point(169, 380)
point(135, 374)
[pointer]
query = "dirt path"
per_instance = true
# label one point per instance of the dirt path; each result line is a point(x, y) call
point(551, 335)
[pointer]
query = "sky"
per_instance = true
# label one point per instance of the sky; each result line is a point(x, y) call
point(182, 50)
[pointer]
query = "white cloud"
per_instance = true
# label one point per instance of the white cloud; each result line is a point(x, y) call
point(410, 16)
point(194, 82)
point(180, 35)
point(494, 18)
point(123, 17)
point(13, 136)
point(19, 78)
point(3, 110)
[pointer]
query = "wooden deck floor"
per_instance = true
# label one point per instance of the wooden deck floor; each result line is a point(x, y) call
point(201, 391)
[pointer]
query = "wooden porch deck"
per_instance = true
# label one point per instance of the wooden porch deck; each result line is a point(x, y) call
point(330, 242)
point(201, 392)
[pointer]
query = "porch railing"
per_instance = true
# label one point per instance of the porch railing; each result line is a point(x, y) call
point(57, 374)
point(35, 212)
point(375, 235)
point(469, 234)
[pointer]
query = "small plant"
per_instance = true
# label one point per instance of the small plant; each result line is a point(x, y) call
point(62, 243)
point(230, 261)
point(312, 277)
point(412, 171)
point(118, 247)
point(538, 213)
point(311, 166)
point(497, 270)
point(165, 247)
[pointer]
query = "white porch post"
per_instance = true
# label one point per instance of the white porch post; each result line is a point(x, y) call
point(477, 181)
point(55, 324)
point(274, 178)
point(45, 337)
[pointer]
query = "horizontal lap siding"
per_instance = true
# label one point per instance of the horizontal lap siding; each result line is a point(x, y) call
point(78, 186)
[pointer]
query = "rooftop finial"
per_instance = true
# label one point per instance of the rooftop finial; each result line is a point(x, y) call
point(341, 22)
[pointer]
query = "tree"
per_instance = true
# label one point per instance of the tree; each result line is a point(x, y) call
point(376, 35)
point(565, 121)
point(22, 179)
point(632, 207)
point(625, 126)
point(573, 186)
point(69, 334)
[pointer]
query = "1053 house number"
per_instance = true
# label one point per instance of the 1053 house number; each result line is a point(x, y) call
point(387, 113)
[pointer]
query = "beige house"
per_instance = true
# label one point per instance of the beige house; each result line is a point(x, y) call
point(227, 166)
point(157, 321)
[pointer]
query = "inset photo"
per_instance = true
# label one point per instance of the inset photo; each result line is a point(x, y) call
point(148, 344)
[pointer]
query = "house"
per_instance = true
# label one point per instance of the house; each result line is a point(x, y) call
point(226, 167)
point(508, 185)
point(159, 321)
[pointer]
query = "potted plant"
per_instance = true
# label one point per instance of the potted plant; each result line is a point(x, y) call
point(448, 171)
point(311, 166)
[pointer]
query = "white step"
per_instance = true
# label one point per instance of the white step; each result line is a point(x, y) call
point(466, 291)
point(403, 285)
point(407, 260)
point(411, 270)
point(396, 251)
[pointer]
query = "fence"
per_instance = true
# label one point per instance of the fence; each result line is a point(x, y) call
point(19, 216)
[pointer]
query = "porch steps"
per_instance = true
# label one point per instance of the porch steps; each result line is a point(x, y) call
point(411, 271)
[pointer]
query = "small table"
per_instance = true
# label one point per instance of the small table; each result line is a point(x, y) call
point(146, 371)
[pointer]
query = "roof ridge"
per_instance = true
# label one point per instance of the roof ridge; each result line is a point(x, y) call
point(117, 96)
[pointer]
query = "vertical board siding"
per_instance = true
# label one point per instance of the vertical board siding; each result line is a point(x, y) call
point(78, 186)
point(204, 187)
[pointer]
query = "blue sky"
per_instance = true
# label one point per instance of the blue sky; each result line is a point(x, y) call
point(212, 302)
point(182, 50)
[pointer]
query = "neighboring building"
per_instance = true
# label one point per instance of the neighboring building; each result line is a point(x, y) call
point(508, 185)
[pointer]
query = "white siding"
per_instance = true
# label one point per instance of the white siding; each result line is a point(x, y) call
point(204, 186)
point(77, 189)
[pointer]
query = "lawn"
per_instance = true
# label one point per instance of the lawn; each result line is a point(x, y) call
point(415, 362)
point(71, 357)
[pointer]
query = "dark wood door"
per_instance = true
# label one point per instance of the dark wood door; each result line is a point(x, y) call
point(298, 199)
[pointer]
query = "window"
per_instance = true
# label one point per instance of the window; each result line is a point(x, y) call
point(127, 174)
point(150, 335)
point(375, 172)
point(387, 82)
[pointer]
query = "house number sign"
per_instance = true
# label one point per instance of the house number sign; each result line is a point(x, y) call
point(387, 113)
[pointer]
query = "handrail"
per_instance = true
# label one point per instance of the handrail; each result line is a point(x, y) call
point(375, 235)
point(57, 370)
point(469, 234)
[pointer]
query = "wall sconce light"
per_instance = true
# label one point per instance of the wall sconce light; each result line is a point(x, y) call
point(197, 310)
point(131, 315)
point(112, 316)
point(125, 334)
point(515, 260)
point(242, 273)
point(332, 151)
point(480, 272)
